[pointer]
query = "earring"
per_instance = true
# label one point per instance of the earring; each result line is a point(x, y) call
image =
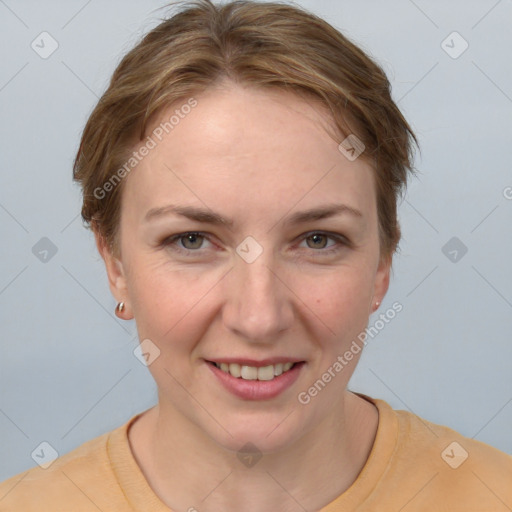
point(377, 304)
point(119, 308)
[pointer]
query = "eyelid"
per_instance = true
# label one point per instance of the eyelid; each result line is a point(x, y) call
point(171, 240)
point(329, 234)
point(342, 241)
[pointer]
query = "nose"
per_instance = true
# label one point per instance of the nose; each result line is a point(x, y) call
point(259, 304)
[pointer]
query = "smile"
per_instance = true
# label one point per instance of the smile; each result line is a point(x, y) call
point(261, 382)
point(255, 373)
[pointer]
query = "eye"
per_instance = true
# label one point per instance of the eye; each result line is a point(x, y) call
point(185, 242)
point(193, 241)
point(319, 239)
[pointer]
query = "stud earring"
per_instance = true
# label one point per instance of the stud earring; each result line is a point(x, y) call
point(119, 308)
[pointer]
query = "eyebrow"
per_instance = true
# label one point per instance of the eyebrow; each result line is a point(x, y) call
point(209, 217)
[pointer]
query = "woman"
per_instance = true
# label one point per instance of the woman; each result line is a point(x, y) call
point(241, 176)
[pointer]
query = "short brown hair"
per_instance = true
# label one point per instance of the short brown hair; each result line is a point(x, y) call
point(257, 44)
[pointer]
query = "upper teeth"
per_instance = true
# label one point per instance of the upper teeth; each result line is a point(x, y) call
point(253, 372)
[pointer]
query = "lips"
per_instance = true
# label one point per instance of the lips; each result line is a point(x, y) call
point(258, 382)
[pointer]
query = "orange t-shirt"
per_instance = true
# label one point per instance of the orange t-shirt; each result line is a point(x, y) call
point(414, 465)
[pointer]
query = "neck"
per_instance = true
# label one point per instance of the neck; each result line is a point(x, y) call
point(187, 471)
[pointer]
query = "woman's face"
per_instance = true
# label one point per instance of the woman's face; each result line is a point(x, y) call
point(265, 286)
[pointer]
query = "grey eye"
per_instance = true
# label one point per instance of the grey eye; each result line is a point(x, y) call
point(195, 240)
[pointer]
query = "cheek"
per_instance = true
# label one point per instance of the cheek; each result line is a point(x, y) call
point(338, 306)
point(337, 293)
point(167, 302)
point(181, 303)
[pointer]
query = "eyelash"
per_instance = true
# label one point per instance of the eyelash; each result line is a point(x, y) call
point(170, 242)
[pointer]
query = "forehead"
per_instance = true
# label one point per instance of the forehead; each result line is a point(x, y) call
point(251, 147)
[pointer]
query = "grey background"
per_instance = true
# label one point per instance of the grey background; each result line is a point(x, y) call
point(67, 371)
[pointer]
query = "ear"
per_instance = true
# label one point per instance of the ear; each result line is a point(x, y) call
point(116, 275)
point(381, 281)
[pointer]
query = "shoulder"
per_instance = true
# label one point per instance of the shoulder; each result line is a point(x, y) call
point(451, 447)
point(78, 481)
point(442, 468)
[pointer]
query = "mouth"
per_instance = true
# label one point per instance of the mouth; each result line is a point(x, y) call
point(246, 372)
point(256, 380)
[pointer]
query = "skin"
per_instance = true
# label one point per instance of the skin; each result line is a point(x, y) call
point(255, 157)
